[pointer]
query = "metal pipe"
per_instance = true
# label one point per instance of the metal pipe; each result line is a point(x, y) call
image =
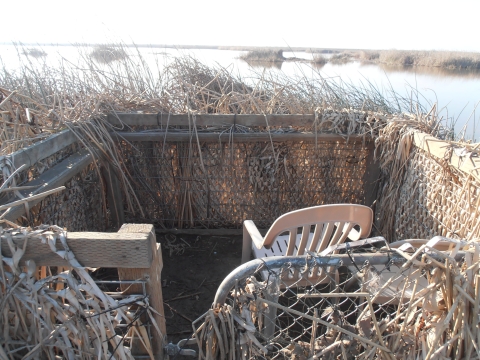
point(276, 262)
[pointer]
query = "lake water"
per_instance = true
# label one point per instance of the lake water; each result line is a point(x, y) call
point(457, 93)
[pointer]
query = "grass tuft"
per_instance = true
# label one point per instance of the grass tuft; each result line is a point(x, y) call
point(106, 54)
point(34, 52)
point(264, 55)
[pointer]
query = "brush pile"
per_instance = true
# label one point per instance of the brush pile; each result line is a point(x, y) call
point(424, 306)
point(51, 313)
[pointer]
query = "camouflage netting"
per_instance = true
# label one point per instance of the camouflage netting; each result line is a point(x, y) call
point(77, 208)
point(436, 199)
point(80, 207)
point(228, 183)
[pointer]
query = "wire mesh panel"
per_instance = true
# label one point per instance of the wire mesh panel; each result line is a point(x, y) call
point(78, 208)
point(436, 199)
point(220, 184)
point(382, 303)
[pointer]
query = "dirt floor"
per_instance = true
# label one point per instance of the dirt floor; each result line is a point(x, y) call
point(193, 268)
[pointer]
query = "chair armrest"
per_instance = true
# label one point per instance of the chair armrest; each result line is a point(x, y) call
point(252, 230)
point(250, 233)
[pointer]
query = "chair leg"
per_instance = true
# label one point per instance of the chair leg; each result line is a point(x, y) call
point(272, 294)
point(246, 247)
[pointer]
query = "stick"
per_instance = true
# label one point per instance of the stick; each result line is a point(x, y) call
point(375, 323)
point(8, 98)
point(464, 293)
point(314, 332)
point(328, 348)
point(31, 198)
point(179, 313)
point(444, 326)
point(335, 327)
point(329, 295)
point(181, 297)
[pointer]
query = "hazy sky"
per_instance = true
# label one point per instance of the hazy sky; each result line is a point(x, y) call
point(369, 24)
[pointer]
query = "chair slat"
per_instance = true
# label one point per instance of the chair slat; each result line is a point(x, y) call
point(316, 236)
point(304, 240)
point(337, 236)
point(292, 241)
point(326, 236)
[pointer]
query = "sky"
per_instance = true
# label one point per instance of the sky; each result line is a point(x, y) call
point(360, 24)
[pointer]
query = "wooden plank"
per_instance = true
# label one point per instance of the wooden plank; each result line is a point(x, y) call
point(139, 119)
point(237, 137)
point(43, 149)
point(92, 249)
point(52, 178)
point(201, 232)
point(223, 233)
point(114, 196)
point(152, 275)
point(439, 148)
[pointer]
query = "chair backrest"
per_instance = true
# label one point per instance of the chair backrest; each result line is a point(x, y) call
point(332, 225)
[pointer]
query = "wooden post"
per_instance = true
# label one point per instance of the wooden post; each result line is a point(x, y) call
point(114, 196)
point(152, 275)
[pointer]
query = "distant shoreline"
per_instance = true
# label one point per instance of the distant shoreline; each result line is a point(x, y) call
point(193, 47)
point(438, 59)
point(415, 58)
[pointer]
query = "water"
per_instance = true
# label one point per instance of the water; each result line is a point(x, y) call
point(456, 93)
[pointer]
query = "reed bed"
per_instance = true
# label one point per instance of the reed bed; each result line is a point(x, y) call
point(319, 59)
point(341, 58)
point(41, 99)
point(443, 59)
point(106, 54)
point(34, 52)
point(264, 55)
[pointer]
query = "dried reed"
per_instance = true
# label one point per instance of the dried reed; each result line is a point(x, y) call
point(436, 320)
point(63, 314)
point(40, 100)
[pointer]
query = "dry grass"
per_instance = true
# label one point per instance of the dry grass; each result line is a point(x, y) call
point(41, 100)
point(319, 59)
point(106, 54)
point(341, 58)
point(264, 55)
point(444, 59)
point(51, 313)
point(34, 52)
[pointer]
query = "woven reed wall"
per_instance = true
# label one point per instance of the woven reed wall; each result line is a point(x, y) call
point(436, 199)
point(77, 208)
point(221, 185)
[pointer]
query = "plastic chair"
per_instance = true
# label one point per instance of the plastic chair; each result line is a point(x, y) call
point(331, 225)
point(391, 293)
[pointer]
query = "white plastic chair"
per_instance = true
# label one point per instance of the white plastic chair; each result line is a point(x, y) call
point(391, 293)
point(331, 225)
